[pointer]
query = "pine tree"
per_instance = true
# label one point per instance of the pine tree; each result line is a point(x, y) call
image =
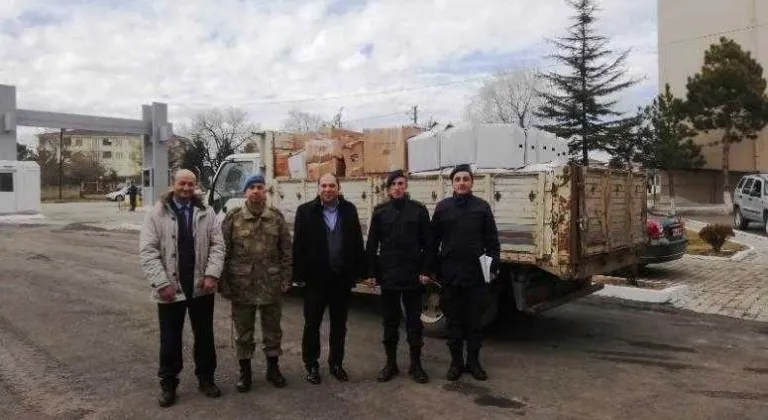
point(666, 140)
point(582, 105)
point(728, 95)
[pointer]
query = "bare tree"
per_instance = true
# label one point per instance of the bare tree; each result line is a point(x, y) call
point(508, 98)
point(303, 122)
point(216, 134)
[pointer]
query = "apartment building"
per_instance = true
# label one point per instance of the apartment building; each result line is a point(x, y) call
point(686, 29)
point(118, 152)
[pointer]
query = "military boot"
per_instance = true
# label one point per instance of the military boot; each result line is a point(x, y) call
point(390, 369)
point(168, 392)
point(274, 376)
point(416, 371)
point(245, 380)
point(457, 365)
point(474, 368)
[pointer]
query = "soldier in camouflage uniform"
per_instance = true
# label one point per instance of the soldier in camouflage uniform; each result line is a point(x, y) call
point(257, 271)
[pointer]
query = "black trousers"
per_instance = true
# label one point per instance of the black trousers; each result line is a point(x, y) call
point(463, 307)
point(171, 317)
point(132, 201)
point(392, 315)
point(336, 298)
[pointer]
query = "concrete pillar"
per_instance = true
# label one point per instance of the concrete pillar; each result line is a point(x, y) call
point(160, 133)
point(7, 122)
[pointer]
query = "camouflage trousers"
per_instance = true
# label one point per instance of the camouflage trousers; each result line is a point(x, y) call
point(244, 317)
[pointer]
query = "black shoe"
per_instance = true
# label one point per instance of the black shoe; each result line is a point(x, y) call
point(167, 397)
point(339, 373)
point(454, 372)
point(417, 373)
point(313, 375)
point(245, 380)
point(388, 372)
point(475, 369)
point(274, 376)
point(209, 389)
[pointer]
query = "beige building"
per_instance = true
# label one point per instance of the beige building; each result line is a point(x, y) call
point(118, 152)
point(686, 30)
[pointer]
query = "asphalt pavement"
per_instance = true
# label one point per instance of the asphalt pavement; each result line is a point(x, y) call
point(79, 339)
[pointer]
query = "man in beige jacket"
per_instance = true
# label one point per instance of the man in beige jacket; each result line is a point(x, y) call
point(182, 256)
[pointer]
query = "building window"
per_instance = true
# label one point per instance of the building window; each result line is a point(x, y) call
point(106, 155)
point(78, 142)
point(6, 182)
point(67, 141)
point(106, 142)
point(119, 156)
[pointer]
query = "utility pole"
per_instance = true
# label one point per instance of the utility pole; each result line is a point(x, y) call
point(415, 115)
point(61, 160)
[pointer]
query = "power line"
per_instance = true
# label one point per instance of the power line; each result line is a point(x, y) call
point(709, 35)
point(375, 117)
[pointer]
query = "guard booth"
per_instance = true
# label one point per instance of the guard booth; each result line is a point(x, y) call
point(19, 187)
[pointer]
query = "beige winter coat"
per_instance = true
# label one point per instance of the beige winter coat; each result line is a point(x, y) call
point(158, 247)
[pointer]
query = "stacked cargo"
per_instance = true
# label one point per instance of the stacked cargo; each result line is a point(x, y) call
point(386, 149)
point(485, 146)
point(345, 153)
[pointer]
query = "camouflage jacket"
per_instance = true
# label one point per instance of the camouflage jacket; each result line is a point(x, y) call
point(258, 260)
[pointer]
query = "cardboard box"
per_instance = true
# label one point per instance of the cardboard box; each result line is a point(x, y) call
point(353, 153)
point(297, 165)
point(281, 164)
point(386, 149)
point(317, 169)
point(285, 141)
point(345, 136)
point(323, 150)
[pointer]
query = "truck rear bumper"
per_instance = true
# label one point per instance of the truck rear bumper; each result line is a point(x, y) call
point(553, 303)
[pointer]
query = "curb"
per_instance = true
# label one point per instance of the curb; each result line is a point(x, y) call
point(671, 294)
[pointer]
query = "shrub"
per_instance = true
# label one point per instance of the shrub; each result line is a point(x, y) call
point(716, 235)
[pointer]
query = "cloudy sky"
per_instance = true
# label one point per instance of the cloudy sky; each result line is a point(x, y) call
point(374, 58)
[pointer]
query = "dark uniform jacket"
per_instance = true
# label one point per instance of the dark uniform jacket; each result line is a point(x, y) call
point(399, 244)
point(464, 229)
point(311, 260)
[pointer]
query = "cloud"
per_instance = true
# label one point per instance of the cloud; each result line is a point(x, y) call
point(107, 57)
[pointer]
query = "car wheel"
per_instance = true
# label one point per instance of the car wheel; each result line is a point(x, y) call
point(119, 198)
point(739, 222)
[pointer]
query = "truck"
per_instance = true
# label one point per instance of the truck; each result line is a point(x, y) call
point(559, 224)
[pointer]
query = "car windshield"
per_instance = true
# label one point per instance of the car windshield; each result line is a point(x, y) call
point(229, 181)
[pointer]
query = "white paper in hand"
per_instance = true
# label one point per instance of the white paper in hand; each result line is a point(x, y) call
point(485, 264)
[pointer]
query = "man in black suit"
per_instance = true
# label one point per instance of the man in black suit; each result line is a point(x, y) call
point(398, 249)
point(329, 259)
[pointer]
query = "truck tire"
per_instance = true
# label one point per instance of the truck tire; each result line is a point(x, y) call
point(434, 320)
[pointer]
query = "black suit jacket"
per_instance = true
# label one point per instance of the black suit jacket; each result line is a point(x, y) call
point(310, 247)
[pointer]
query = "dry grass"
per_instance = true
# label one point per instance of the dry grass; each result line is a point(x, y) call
point(697, 246)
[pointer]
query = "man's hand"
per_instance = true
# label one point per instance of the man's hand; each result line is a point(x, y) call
point(370, 283)
point(208, 284)
point(168, 293)
point(425, 279)
point(286, 287)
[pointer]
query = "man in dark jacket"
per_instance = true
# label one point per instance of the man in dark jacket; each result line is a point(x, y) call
point(328, 257)
point(464, 229)
point(398, 246)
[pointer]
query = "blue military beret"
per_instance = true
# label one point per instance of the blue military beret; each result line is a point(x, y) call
point(253, 179)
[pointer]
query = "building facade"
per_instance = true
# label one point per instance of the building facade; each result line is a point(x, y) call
point(687, 28)
point(118, 152)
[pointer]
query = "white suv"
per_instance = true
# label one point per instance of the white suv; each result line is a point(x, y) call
point(750, 201)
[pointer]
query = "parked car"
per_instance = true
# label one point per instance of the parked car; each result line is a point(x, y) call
point(750, 201)
point(667, 240)
point(120, 194)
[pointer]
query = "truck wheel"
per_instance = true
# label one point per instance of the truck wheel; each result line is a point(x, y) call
point(434, 320)
point(432, 317)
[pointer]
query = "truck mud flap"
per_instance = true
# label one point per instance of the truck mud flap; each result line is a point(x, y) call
point(550, 304)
